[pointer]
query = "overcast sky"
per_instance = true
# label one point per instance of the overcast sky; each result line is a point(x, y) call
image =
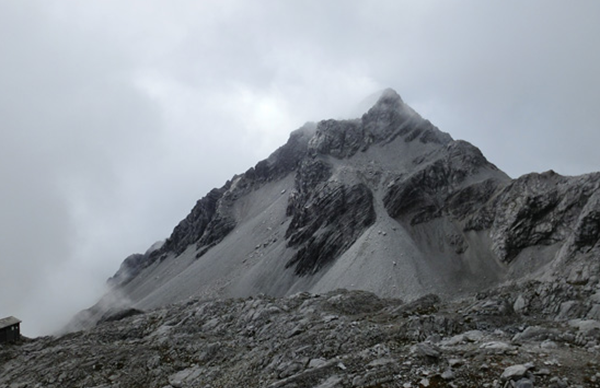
point(116, 116)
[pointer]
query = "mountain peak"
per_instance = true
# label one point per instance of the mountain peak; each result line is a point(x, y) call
point(387, 100)
point(386, 203)
point(389, 97)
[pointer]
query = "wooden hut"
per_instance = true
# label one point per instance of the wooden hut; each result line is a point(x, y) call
point(10, 330)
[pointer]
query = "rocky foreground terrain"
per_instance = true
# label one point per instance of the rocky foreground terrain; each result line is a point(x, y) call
point(530, 335)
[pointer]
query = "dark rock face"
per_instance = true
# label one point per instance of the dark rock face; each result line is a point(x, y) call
point(287, 158)
point(587, 231)
point(464, 202)
point(327, 216)
point(327, 222)
point(134, 264)
point(200, 224)
point(130, 268)
point(437, 186)
point(340, 139)
point(543, 209)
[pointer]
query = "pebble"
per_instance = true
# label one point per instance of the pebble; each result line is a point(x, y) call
point(514, 372)
point(448, 374)
point(524, 383)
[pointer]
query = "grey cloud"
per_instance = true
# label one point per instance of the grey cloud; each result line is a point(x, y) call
point(115, 117)
point(69, 121)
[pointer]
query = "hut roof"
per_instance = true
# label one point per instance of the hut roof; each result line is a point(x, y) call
point(8, 321)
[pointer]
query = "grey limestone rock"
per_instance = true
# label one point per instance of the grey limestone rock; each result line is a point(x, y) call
point(201, 223)
point(327, 222)
point(515, 372)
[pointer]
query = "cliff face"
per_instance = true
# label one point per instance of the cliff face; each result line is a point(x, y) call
point(385, 203)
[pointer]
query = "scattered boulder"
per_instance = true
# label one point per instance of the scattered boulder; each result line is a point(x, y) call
point(515, 372)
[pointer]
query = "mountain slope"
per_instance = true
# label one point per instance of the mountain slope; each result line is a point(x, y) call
point(386, 203)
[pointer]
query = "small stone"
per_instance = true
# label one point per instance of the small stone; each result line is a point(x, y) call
point(549, 345)
point(552, 362)
point(533, 333)
point(594, 312)
point(424, 383)
point(316, 362)
point(359, 381)
point(473, 335)
point(524, 383)
point(514, 372)
point(543, 372)
point(454, 362)
point(519, 304)
point(295, 331)
point(427, 350)
point(495, 345)
point(380, 362)
point(457, 339)
point(558, 382)
point(331, 382)
point(448, 374)
point(529, 365)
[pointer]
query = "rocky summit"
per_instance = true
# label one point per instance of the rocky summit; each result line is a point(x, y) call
point(373, 252)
